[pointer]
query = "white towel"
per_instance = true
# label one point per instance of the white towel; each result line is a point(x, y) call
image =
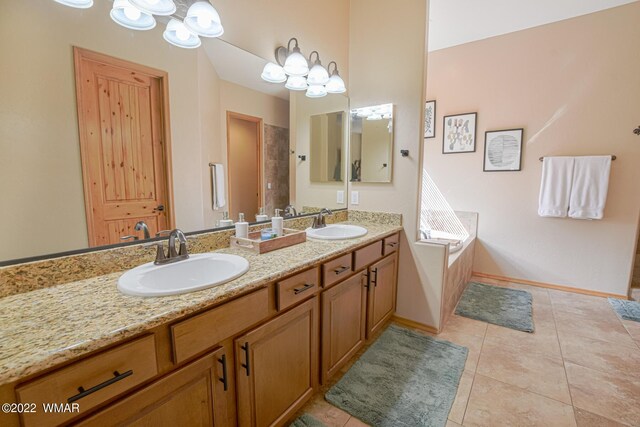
point(555, 187)
point(218, 186)
point(589, 188)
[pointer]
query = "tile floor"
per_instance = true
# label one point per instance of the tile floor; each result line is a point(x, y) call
point(581, 367)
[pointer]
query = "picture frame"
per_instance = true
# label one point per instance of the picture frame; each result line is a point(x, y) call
point(430, 119)
point(503, 150)
point(459, 133)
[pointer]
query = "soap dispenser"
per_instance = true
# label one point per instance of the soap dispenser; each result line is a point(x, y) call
point(277, 223)
point(225, 221)
point(242, 227)
point(261, 216)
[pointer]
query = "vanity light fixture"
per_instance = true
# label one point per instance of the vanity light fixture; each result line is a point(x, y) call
point(179, 35)
point(78, 4)
point(300, 73)
point(129, 16)
point(335, 84)
point(203, 19)
point(155, 7)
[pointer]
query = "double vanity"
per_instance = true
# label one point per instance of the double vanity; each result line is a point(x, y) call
point(249, 351)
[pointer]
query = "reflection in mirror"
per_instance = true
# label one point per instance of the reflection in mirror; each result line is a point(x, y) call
point(326, 147)
point(371, 143)
point(70, 181)
point(320, 153)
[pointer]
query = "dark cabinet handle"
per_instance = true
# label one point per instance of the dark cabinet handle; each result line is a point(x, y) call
point(392, 244)
point(245, 365)
point(223, 380)
point(374, 279)
point(365, 278)
point(117, 376)
point(342, 269)
point(307, 286)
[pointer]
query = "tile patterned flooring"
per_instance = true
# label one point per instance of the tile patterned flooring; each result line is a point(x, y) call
point(581, 367)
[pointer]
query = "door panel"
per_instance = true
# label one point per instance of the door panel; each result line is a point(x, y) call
point(343, 323)
point(382, 293)
point(276, 367)
point(125, 166)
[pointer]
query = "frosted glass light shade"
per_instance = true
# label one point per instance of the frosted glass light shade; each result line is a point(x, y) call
point(155, 7)
point(203, 19)
point(336, 84)
point(318, 75)
point(316, 91)
point(127, 15)
point(273, 73)
point(79, 4)
point(296, 83)
point(179, 35)
point(296, 64)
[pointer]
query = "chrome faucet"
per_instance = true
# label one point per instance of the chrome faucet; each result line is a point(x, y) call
point(290, 211)
point(172, 255)
point(319, 220)
point(141, 225)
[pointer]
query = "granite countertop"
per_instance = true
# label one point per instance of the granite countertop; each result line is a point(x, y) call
point(46, 327)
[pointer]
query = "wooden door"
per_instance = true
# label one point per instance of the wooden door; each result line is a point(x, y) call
point(124, 142)
point(277, 367)
point(185, 397)
point(344, 309)
point(244, 164)
point(382, 293)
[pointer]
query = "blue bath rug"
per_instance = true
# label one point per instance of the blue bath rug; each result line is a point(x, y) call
point(627, 310)
point(511, 308)
point(306, 420)
point(405, 379)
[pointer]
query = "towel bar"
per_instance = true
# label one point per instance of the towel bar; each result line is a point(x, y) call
point(613, 157)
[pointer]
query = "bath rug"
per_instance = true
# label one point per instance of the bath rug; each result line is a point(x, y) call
point(405, 379)
point(627, 310)
point(511, 308)
point(306, 420)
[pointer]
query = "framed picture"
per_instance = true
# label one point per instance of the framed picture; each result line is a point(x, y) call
point(430, 119)
point(459, 135)
point(503, 150)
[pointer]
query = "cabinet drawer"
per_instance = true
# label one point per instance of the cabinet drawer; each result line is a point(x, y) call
point(199, 333)
point(368, 255)
point(90, 381)
point(391, 244)
point(296, 288)
point(336, 270)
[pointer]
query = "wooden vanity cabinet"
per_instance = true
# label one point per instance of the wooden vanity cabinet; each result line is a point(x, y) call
point(382, 293)
point(193, 395)
point(277, 367)
point(344, 313)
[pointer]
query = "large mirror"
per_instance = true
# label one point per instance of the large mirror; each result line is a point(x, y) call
point(169, 136)
point(371, 144)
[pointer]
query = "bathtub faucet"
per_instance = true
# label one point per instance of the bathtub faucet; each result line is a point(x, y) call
point(426, 234)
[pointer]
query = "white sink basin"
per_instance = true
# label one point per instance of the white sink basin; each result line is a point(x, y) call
point(198, 272)
point(336, 232)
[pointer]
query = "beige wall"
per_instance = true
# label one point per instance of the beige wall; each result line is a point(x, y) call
point(303, 191)
point(386, 65)
point(575, 88)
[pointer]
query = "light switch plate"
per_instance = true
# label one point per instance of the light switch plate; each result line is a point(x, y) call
point(340, 197)
point(268, 186)
point(355, 197)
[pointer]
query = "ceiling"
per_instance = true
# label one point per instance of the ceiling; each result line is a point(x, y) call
point(454, 22)
point(240, 67)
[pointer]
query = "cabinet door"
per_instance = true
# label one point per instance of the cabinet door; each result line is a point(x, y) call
point(344, 309)
point(382, 293)
point(184, 397)
point(277, 367)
